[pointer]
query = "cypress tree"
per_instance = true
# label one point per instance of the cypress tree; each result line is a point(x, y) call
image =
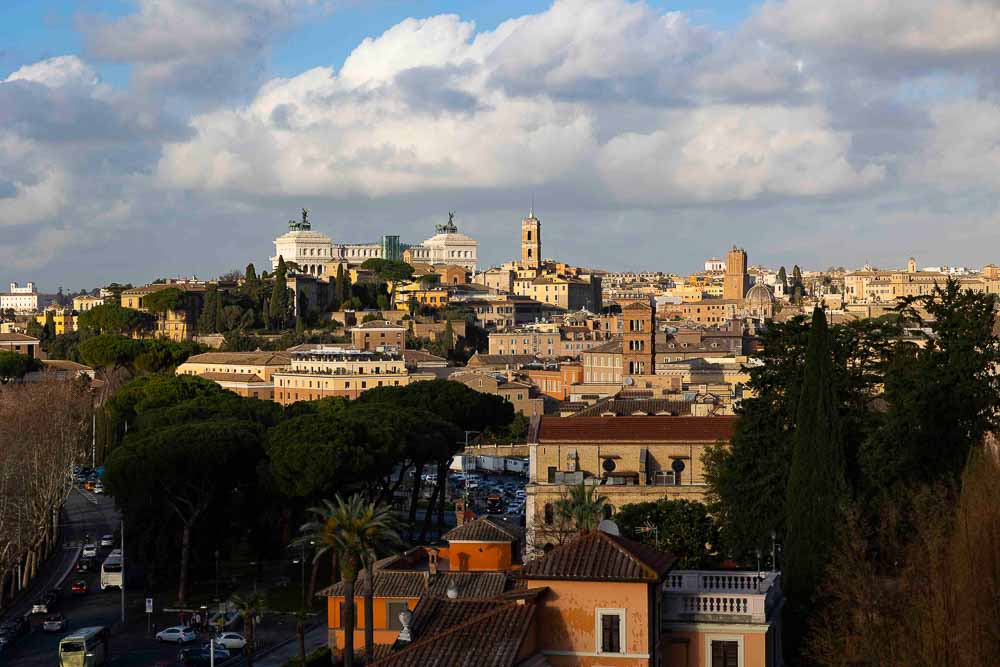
point(783, 278)
point(817, 488)
point(449, 336)
point(251, 275)
point(279, 296)
point(219, 323)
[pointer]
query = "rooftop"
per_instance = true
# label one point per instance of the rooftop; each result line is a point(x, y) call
point(636, 429)
point(16, 338)
point(257, 358)
point(485, 529)
point(599, 556)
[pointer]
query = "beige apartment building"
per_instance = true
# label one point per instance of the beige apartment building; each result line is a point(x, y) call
point(872, 286)
point(523, 396)
point(378, 333)
point(244, 373)
point(630, 459)
point(82, 304)
point(552, 341)
point(335, 371)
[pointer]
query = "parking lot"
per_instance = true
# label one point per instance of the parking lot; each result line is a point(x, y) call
point(491, 493)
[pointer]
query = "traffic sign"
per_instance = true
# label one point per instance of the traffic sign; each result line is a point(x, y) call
point(149, 605)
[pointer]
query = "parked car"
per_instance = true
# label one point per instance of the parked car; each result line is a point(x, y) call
point(90, 551)
point(200, 656)
point(79, 587)
point(99, 487)
point(54, 623)
point(108, 541)
point(233, 641)
point(179, 634)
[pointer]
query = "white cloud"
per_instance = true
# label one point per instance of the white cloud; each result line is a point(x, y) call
point(943, 28)
point(205, 48)
point(962, 148)
point(57, 72)
point(432, 105)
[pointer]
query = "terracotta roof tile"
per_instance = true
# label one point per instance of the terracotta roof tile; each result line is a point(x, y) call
point(242, 358)
point(414, 584)
point(598, 556)
point(491, 639)
point(231, 377)
point(644, 429)
point(623, 407)
point(485, 529)
point(16, 338)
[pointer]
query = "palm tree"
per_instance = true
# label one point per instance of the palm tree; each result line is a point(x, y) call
point(250, 609)
point(353, 532)
point(582, 507)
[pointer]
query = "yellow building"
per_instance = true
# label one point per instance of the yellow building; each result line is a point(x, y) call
point(319, 372)
point(244, 373)
point(425, 295)
point(177, 325)
point(64, 320)
point(631, 459)
point(82, 304)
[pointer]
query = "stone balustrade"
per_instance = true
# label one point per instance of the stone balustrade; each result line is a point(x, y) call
point(716, 595)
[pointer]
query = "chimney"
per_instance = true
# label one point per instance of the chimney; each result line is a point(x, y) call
point(432, 561)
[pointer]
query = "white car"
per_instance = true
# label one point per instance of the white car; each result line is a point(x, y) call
point(231, 640)
point(108, 541)
point(90, 551)
point(178, 634)
point(98, 488)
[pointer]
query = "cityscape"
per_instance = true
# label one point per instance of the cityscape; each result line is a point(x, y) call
point(541, 335)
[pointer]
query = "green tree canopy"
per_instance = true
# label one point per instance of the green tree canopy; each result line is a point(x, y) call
point(685, 528)
point(14, 366)
point(111, 318)
point(163, 300)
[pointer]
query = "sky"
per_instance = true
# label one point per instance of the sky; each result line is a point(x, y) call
point(152, 138)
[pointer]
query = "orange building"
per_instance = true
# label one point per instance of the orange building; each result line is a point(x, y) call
point(473, 567)
point(603, 604)
point(555, 382)
point(599, 600)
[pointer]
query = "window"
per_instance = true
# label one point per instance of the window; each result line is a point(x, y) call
point(725, 653)
point(611, 630)
point(393, 609)
point(549, 514)
point(552, 475)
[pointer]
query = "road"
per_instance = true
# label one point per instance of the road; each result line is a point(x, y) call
point(93, 515)
point(131, 645)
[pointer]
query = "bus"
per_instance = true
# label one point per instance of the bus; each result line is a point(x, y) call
point(112, 570)
point(87, 647)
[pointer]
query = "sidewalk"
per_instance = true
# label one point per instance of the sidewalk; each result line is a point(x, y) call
point(315, 638)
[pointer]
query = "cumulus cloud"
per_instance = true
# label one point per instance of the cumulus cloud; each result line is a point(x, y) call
point(203, 48)
point(808, 125)
point(431, 104)
point(57, 72)
point(910, 34)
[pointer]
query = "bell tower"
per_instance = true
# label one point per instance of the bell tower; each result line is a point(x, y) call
point(531, 241)
point(638, 339)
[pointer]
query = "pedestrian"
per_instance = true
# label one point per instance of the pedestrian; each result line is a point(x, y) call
point(196, 621)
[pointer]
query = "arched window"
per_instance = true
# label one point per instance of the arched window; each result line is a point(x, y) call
point(549, 514)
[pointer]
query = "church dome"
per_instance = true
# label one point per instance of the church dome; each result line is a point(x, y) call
point(759, 295)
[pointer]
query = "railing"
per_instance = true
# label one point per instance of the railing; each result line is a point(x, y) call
point(706, 595)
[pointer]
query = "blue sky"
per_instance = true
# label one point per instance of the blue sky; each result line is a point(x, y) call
point(166, 137)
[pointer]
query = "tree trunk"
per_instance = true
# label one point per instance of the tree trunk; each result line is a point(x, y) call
point(369, 611)
point(429, 514)
point(248, 622)
point(185, 558)
point(312, 583)
point(415, 493)
point(443, 484)
point(348, 622)
point(300, 627)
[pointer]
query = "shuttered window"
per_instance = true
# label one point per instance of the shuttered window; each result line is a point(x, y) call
point(611, 633)
point(725, 654)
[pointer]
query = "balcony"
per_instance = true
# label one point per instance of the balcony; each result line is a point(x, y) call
point(721, 596)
